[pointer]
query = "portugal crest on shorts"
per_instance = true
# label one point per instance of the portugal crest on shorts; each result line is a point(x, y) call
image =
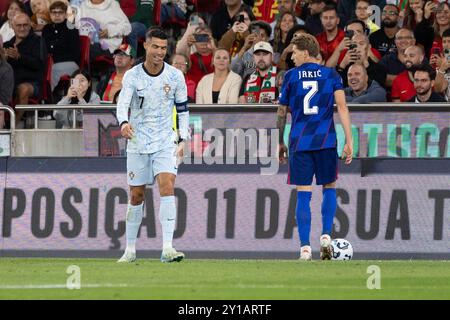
point(166, 89)
point(131, 175)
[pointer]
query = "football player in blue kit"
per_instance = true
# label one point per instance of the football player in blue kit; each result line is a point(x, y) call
point(310, 91)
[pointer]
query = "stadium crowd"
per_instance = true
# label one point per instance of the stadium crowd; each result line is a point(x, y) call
point(230, 51)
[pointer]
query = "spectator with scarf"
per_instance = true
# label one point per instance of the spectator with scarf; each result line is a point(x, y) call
point(260, 86)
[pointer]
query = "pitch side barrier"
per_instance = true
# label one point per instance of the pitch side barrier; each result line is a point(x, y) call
point(394, 208)
point(399, 130)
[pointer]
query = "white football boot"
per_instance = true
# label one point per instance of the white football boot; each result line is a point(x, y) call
point(305, 253)
point(326, 251)
point(127, 257)
point(171, 255)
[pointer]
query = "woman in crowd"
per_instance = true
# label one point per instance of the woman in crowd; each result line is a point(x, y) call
point(413, 13)
point(41, 14)
point(285, 22)
point(6, 31)
point(222, 86)
point(182, 63)
point(80, 92)
point(429, 33)
point(233, 40)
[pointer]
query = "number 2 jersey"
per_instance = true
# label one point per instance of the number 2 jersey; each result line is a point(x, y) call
point(308, 91)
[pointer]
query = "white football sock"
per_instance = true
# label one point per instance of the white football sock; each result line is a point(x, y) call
point(167, 214)
point(133, 222)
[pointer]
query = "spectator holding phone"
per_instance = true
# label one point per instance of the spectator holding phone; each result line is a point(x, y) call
point(359, 53)
point(243, 63)
point(195, 20)
point(352, 28)
point(201, 60)
point(80, 92)
point(222, 20)
point(428, 32)
point(233, 40)
point(442, 83)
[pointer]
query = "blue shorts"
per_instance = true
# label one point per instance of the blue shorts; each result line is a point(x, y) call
point(142, 168)
point(303, 165)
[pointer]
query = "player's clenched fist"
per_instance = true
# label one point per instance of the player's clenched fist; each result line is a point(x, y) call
point(127, 131)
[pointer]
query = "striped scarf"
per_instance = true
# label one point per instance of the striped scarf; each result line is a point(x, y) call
point(260, 89)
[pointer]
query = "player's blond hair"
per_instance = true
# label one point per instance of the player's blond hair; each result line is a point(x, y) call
point(307, 42)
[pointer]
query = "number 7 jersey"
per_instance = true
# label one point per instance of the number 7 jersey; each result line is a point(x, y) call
point(308, 91)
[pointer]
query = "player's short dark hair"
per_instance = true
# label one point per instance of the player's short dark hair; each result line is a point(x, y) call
point(424, 67)
point(446, 33)
point(156, 32)
point(307, 42)
point(58, 5)
point(262, 25)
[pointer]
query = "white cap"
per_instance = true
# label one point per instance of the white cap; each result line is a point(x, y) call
point(263, 46)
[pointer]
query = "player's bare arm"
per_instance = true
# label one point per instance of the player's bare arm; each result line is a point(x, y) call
point(281, 123)
point(344, 116)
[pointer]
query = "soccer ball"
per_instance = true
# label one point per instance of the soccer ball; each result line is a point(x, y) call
point(341, 249)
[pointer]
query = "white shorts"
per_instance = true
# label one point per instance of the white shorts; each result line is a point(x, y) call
point(142, 168)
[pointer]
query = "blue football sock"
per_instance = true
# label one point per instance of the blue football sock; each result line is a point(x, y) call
point(329, 205)
point(303, 214)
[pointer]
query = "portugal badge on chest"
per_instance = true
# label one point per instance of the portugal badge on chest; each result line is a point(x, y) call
point(166, 89)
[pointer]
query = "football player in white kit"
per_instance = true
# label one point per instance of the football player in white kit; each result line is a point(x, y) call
point(150, 90)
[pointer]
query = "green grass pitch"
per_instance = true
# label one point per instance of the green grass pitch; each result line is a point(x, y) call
point(32, 278)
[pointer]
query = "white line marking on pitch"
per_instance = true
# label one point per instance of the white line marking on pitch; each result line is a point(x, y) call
point(61, 286)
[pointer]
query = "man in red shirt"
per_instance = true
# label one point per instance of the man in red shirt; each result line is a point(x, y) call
point(330, 39)
point(403, 85)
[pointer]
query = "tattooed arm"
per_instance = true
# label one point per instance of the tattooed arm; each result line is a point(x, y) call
point(281, 123)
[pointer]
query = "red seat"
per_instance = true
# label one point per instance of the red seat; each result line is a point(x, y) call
point(157, 12)
point(85, 47)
